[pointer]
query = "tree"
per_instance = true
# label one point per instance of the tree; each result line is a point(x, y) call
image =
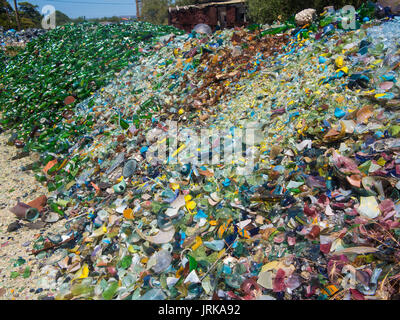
point(30, 16)
point(27, 23)
point(268, 11)
point(62, 18)
point(78, 20)
point(5, 7)
point(113, 19)
point(190, 2)
point(7, 19)
point(181, 3)
point(155, 11)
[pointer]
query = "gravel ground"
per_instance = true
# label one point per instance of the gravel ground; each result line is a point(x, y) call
point(15, 183)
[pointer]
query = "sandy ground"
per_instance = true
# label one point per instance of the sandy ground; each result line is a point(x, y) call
point(16, 183)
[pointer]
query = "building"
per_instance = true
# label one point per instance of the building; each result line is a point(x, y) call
point(226, 14)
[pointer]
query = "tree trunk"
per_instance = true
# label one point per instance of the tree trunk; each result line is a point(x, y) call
point(137, 10)
point(17, 15)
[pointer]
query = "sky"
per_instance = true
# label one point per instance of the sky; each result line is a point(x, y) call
point(88, 8)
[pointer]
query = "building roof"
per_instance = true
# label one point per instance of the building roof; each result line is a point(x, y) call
point(204, 5)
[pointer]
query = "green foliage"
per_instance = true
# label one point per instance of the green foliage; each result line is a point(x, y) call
point(113, 19)
point(28, 23)
point(30, 16)
point(78, 20)
point(7, 19)
point(185, 2)
point(62, 18)
point(268, 11)
point(155, 11)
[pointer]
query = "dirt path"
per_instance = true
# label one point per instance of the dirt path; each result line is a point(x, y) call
point(16, 183)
